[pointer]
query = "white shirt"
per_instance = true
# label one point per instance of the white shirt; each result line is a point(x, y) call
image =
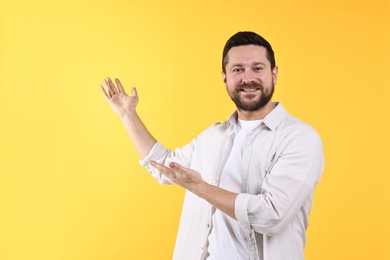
point(227, 240)
point(282, 161)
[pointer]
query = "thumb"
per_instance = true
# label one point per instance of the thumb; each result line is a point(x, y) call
point(134, 92)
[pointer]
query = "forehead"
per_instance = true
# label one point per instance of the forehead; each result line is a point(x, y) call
point(247, 54)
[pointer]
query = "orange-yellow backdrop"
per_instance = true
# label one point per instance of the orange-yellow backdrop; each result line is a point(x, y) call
point(70, 184)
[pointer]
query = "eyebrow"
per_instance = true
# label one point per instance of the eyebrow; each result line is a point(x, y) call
point(253, 64)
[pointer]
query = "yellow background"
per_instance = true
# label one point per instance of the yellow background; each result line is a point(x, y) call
point(70, 184)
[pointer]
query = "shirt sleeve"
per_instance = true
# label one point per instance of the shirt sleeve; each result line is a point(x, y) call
point(288, 184)
point(165, 156)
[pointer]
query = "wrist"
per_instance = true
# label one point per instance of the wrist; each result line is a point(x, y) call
point(203, 189)
point(127, 114)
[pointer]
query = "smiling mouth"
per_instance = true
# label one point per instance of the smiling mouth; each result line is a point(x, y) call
point(249, 90)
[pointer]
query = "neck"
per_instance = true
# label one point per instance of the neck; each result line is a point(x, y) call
point(258, 114)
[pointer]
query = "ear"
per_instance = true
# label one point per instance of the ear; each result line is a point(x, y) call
point(224, 78)
point(275, 72)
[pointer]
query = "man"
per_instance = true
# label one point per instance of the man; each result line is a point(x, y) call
point(250, 180)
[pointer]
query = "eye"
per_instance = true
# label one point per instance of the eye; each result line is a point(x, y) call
point(237, 69)
point(258, 68)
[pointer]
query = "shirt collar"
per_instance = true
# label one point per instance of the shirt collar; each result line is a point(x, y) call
point(271, 120)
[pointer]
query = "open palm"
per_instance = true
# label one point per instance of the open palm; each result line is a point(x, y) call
point(117, 97)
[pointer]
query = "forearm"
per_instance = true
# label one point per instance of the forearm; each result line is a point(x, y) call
point(125, 106)
point(192, 181)
point(141, 138)
point(221, 199)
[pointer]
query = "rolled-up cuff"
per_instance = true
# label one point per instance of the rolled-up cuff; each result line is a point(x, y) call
point(157, 152)
point(241, 209)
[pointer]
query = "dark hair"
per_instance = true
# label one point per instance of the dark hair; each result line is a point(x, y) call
point(247, 38)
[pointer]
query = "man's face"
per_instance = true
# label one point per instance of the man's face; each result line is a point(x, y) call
point(249, 78)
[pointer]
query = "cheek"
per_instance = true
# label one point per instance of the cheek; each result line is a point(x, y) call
point(266, 80)
point(231, 85)
point(233, 81)
point(263, 78)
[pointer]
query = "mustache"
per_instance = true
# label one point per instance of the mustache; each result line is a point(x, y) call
point(252, 85)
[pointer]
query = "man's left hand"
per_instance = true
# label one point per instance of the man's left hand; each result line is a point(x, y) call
point(191, 180)
point(185, 177)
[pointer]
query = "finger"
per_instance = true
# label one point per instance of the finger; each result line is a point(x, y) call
point(120, 87)
point(104, 93)
point(163, 169)
point(108, 87)
point(159, 166)
point(112, 86)
point(178, 168)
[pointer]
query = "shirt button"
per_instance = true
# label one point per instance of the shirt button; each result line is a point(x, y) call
point(207, 225)
point(203, 248)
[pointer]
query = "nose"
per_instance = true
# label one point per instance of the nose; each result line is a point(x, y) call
point(248, 77)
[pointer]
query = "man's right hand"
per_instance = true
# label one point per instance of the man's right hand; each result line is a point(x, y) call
point(125, 105)
point(117, 97)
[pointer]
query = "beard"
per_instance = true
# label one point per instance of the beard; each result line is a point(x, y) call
point(254, 103)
